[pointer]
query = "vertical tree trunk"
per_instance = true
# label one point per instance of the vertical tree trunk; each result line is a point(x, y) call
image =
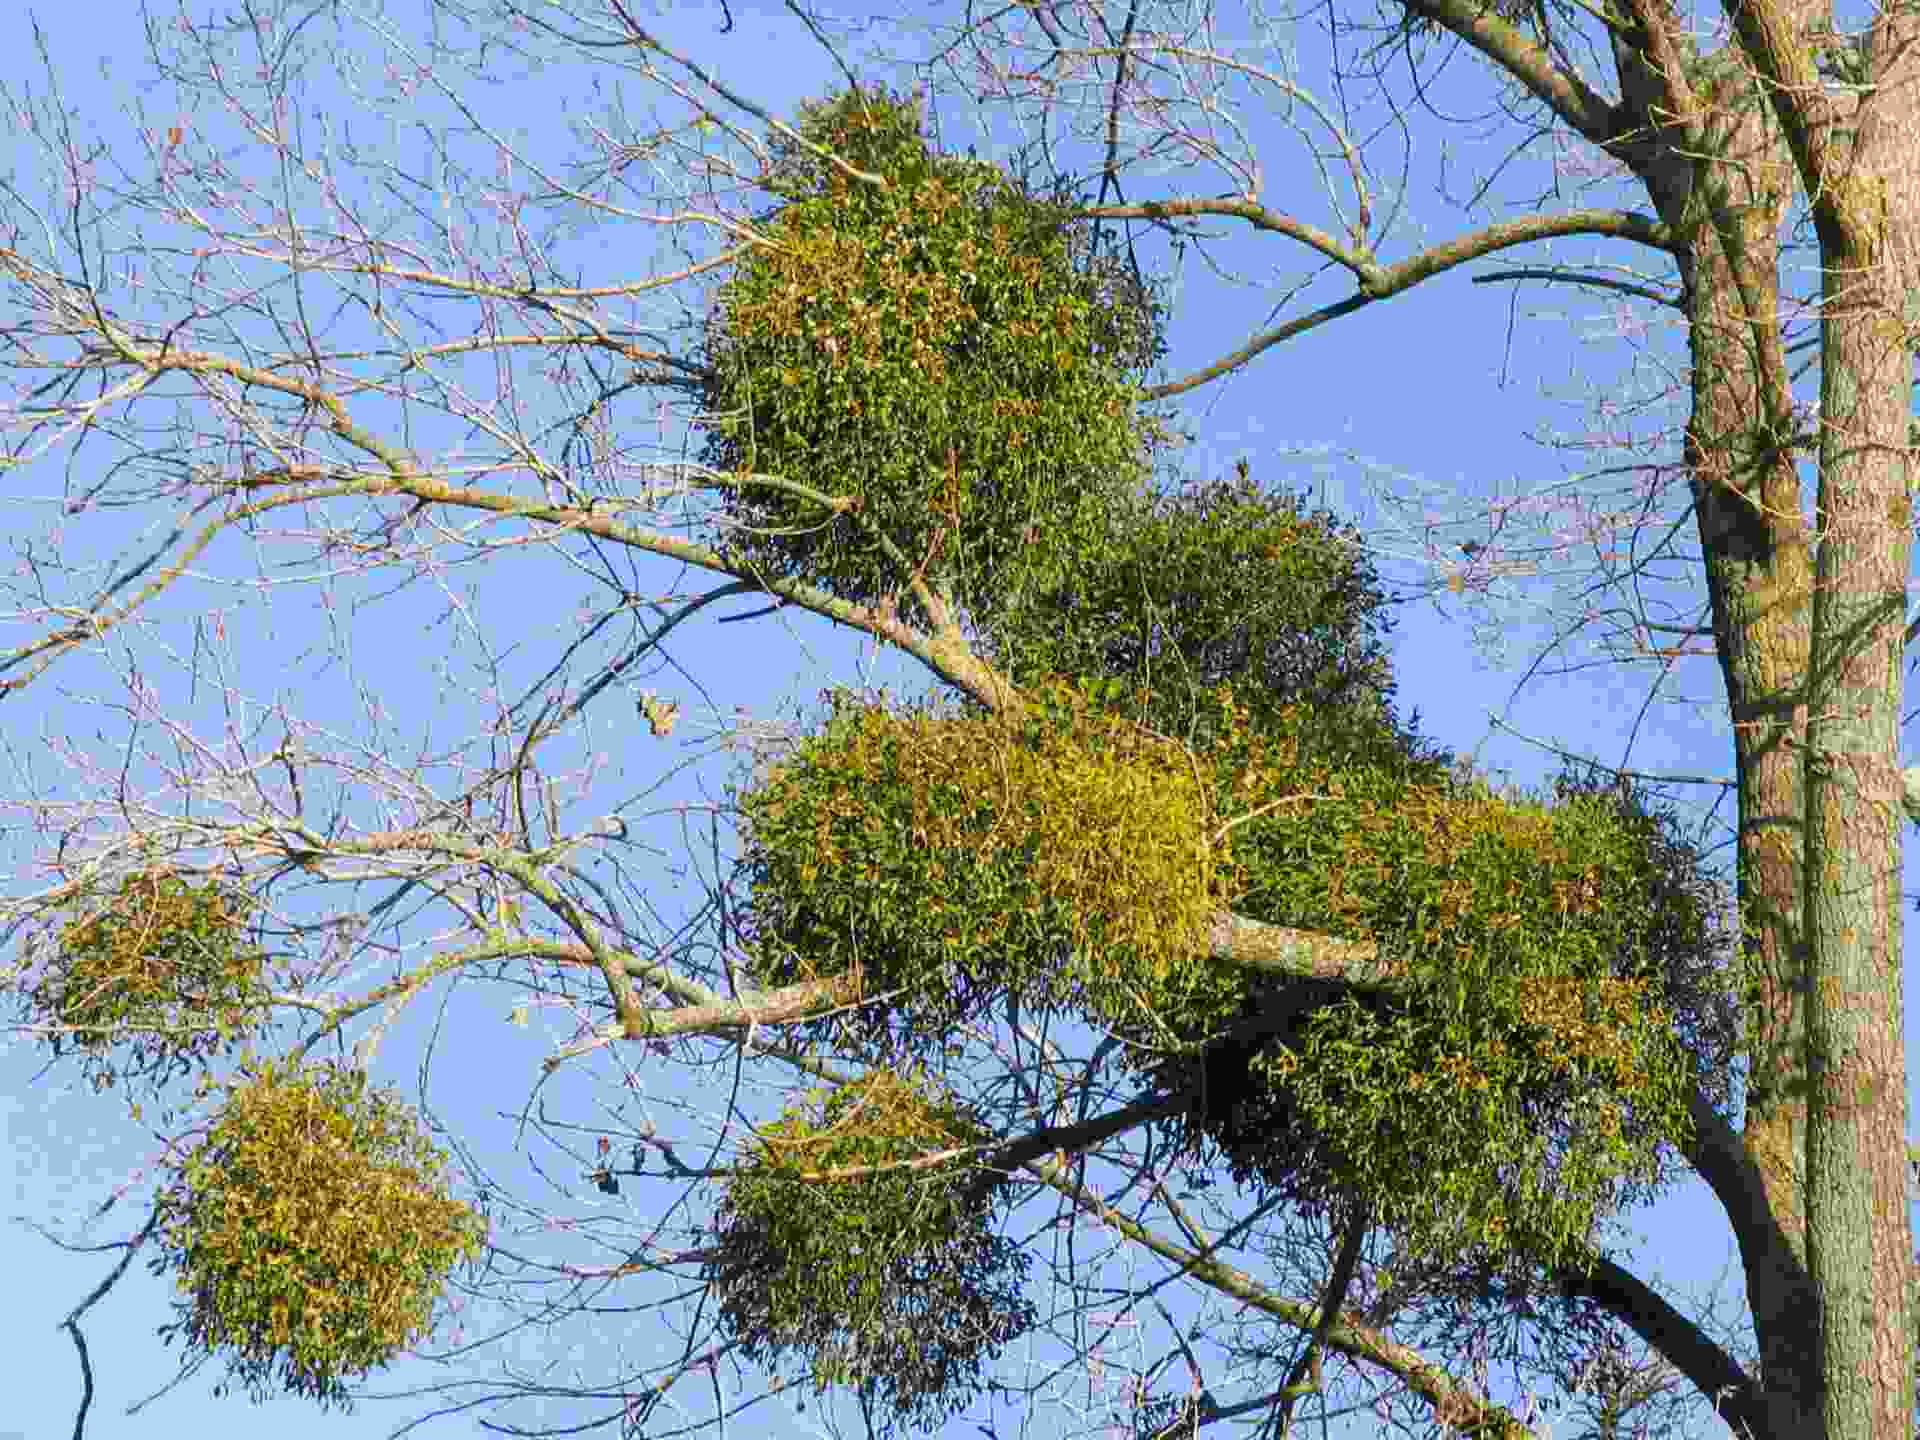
point(1759, 571)
point(1759, 563)
point(1810, 631)
point(1859, 1250)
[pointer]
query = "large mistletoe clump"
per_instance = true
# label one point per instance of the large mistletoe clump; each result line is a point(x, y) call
point(918, 372)
point(1514, 1074)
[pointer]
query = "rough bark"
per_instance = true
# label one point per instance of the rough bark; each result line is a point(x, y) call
point(1809, 630)
point(1859, 1252)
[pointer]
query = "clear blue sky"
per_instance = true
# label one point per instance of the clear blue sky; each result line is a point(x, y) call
point(1435, 394)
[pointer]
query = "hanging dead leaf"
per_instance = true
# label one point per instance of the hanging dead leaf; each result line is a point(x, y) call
point(660, 715)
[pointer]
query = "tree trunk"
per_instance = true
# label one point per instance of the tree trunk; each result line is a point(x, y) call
point(1859, 1251)
point(1809, 629)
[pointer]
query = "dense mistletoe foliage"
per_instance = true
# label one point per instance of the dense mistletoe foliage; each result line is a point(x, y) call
point(1066, 852)
point(857, 1233)
point(153, 978)
point(1211, 583)
point(1516, 1081)
point(309, 1231)
point(919, 374)
point(1520, 1078)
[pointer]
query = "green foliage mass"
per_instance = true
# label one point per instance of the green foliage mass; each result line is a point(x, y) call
point(1515, 1083)
point(310, 1231)
point(929, 375)
point(947, 857)
point(1521, 1076)
point(1230, 743)
point(1210, 584)
point(858, 1232)
point(152, 979)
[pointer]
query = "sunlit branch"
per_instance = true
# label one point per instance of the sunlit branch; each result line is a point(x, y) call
point(1376, 281)
point(1298, 954)
point(945, 652)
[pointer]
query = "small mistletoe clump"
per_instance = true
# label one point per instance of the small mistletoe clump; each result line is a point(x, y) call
point(859, 1235)
point(155, 978)
point(311, 1231)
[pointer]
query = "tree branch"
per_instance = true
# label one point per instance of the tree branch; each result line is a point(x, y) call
point(1773, 43)
point(1735, 1395)
point(1306, 1374)
point(1084, 1133)
point(71, 1324)
point(1452, 1403)
point(1378, 282)
point(1297, 954)
point(1575, 277)
point(1511, 50)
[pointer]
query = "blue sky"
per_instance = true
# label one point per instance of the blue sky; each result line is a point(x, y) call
point(1408, 418)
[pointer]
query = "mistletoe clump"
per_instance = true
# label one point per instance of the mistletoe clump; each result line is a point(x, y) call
point(858, 1234)
point(310, 1231)
point(1210, 585)
point(1510, 1071)
point(1066, 852)
point(156, 977)
point(1523, 1073)
point(919, 373)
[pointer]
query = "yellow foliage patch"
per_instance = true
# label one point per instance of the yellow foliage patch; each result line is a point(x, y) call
point(310, 1231)
point(947, 857)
